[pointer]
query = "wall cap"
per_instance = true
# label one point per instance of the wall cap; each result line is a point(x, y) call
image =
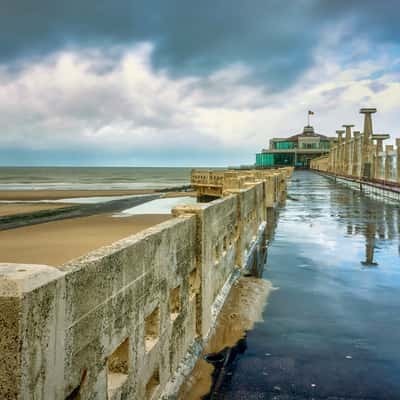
point(17, 279)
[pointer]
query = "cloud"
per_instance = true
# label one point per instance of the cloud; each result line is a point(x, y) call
point(377, 86)
point(275, 38)
point(195, 38)
point(205, 82)
point(71, 101)
point(63, 102)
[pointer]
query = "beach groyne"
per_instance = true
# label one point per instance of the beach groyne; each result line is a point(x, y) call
point(75, 211)
point(129, 320)
point(127, 199)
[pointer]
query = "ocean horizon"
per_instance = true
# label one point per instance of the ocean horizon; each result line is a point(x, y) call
point(92, 178)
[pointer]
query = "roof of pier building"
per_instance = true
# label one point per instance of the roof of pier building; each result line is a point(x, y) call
point(308, 135)
point(308, 131)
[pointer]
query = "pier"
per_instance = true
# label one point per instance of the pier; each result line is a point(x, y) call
point(329, 328)
point(200, 200)
point(134, 319)
point(129, 320)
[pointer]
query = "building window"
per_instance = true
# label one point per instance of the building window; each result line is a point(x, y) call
point(285, 145)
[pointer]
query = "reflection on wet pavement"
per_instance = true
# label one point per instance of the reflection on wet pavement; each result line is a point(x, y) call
point(332, 330)
point(241, 310)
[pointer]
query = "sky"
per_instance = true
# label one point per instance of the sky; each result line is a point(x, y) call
point(185, 82)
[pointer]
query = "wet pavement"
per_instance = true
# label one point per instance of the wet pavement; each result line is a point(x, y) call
point(331, 330)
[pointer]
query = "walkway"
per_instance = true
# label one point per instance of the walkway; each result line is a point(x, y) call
point(331, 330)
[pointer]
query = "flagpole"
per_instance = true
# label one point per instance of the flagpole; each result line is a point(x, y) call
point(308, 118)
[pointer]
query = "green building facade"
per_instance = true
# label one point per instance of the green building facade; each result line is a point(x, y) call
point(296, 151)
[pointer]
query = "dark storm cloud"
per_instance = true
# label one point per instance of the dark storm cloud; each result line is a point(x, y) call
point(376, 19)
point(274, 37)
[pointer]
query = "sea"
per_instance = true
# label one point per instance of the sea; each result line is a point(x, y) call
point(92, 178)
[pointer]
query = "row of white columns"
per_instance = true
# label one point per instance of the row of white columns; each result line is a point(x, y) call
point(362, 155)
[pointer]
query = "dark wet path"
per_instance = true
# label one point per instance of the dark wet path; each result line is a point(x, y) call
point(332, 329)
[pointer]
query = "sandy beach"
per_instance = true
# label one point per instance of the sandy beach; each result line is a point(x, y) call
point(55, 243)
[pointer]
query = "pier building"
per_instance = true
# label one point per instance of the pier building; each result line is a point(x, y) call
point(295, 151)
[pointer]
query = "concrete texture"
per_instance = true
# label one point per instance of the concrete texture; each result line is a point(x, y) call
point(128, 321)
point(31, 323)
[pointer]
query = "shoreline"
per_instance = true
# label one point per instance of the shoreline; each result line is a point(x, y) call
point(58, 194)
point(24, 208)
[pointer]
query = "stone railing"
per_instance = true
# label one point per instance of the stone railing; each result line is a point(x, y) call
point(362, 156)
point(129, 320)
point(210, 184)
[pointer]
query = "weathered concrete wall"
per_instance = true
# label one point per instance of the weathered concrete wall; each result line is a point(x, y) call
point(128, 320)
point(110, 296)
point(32, 299)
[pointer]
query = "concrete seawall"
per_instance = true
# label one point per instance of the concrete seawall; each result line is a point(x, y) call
point(129, 320)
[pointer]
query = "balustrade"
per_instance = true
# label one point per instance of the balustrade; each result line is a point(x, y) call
point(363, 155)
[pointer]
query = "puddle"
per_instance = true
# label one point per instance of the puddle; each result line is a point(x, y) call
point(242, 310)
point(158, 206)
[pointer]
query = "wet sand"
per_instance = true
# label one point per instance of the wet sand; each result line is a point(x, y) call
point(243, 307)
point(28, 195)
point(12, 209)
point(55, 243)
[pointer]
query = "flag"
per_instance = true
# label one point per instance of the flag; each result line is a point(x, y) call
point(310, 112)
